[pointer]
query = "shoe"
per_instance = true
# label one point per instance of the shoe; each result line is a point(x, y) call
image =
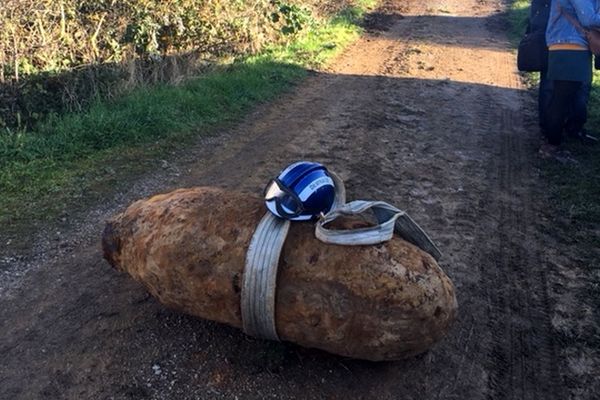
point(551, 152)
point(548, 150)
point(565, 157)
point(584, 136)
point(589, 139)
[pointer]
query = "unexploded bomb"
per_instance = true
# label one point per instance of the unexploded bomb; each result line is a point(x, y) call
point(188, 248)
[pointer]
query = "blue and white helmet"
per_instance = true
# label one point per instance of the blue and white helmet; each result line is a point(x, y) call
point(301, 192)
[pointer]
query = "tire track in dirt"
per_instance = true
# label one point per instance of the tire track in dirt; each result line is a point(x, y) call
point(523, 346)
point(523, 354)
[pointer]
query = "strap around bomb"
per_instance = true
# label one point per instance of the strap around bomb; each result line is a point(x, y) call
point(262, 259)
point(260, 277)
point(390, 220)
point(260, 274)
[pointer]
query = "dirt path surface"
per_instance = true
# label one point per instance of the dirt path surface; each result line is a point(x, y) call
point(426, 112)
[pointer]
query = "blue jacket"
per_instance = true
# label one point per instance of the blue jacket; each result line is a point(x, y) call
point(560, 30)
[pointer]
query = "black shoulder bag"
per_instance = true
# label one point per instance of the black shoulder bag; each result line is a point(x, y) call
point(532, 54)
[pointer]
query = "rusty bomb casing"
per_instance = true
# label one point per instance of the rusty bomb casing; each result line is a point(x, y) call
point(188, 248)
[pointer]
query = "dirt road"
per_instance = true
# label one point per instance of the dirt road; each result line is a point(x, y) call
point(425, 112)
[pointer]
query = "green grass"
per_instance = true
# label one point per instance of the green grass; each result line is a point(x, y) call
point(68, 156)
point(148, 114)
point(518, 14)
point(574, 187)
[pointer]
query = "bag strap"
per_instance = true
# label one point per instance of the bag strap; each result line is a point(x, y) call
point(390, 220)
point(574, 21)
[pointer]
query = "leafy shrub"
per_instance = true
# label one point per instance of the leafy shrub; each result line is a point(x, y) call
point(58, 55)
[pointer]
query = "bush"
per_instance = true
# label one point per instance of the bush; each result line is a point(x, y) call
point(58, 55)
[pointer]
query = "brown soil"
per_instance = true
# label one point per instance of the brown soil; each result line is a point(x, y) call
point(427, 112)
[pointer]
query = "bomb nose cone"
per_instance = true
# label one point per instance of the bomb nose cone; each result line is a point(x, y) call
point(111, 244)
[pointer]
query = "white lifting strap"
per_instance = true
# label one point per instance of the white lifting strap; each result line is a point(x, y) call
point(260, 277)
point(260, 274)
point(390, 220)
point(262, 259)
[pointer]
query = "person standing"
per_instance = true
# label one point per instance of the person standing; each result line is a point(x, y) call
point(569, 67)
point(539, 12)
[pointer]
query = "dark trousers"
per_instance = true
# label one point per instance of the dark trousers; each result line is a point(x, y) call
point(565, 104)
point(544, 96)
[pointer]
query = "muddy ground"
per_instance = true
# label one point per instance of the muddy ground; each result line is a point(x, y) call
point(427, 112)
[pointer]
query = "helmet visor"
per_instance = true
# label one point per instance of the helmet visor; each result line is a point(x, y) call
point(287, 203)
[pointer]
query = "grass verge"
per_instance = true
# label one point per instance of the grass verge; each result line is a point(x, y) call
point(574, 186)
point(66, 157)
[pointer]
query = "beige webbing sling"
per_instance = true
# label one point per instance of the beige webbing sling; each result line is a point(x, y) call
point(262, 259)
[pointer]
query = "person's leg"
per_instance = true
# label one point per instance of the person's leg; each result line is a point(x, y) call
point(559, 108)
point(544, 96)
point(578, 111)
